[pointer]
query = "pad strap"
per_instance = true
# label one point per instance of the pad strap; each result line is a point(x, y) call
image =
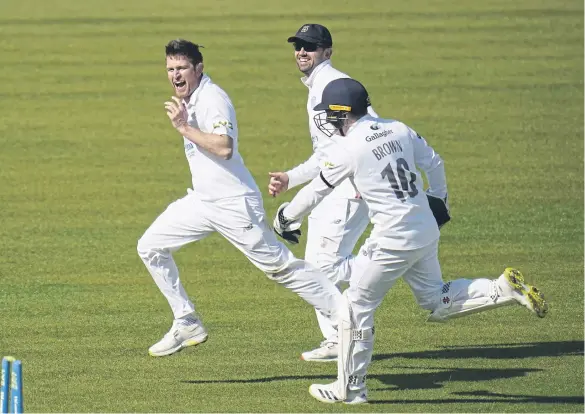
point(494, 294)
point(362, 334)
point(356, 379)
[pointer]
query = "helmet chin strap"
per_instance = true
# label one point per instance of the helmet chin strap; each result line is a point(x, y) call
point(340, 124)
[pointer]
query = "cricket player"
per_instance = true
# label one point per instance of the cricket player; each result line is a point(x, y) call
point(380, 157)
point(335, 226)
point(224, 199)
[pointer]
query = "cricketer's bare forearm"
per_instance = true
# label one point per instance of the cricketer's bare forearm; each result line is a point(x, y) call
point(220, 145)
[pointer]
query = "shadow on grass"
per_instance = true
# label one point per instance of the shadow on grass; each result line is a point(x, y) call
point(489, 397)
point(414, 381)
point(441, 376)
point(437, 377)
point(428, 381)
point(496, 351)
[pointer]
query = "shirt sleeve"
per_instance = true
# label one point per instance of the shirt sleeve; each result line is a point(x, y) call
point(336, 169)
point(303, 172)
point(431, 163)
point(220, 119)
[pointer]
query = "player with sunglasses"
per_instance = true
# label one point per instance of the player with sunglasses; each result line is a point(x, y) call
point(335, 226)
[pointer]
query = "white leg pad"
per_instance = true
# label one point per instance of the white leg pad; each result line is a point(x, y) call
point(348, 335)
point(449, 309)
point(344, 334)
point(457, 310)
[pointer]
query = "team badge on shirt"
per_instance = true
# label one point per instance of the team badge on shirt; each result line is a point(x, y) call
point(226, 124)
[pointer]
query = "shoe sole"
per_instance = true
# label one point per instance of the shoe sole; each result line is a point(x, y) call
point(356, 402)
point(319, 360)
point(316, 394)
point(183, 345)
point(537, 302)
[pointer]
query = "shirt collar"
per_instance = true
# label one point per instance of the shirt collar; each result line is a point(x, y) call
point(309, 80)
point(193, 98)
point(366, 117)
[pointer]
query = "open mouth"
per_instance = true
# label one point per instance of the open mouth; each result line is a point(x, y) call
point(180, 84)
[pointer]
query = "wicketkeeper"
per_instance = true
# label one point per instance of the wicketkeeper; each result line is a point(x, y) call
point(380, 157)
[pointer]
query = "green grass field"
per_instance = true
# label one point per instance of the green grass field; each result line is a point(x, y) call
point(88, 159)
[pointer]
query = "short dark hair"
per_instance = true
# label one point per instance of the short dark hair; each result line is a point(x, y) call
point(182, 47)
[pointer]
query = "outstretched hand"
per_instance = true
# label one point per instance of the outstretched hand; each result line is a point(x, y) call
point(278, 183)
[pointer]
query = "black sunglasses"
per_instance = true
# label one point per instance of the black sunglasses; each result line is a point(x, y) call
point(309, 47)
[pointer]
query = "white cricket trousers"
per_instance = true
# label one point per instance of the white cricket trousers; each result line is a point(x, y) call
point(241, 220)
point(375, 270)
point(334, 228)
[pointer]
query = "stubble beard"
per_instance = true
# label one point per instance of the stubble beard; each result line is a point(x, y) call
point(307, 71)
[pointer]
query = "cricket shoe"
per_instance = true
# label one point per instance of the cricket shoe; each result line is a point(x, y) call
point(327, 352)
point(329, 393)
point(183, 333)
point(511, 283)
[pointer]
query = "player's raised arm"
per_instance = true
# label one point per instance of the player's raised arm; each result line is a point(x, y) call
point(220, 145)
point(219, 119)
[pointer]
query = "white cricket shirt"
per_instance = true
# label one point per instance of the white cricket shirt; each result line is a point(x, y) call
point(380, 157)
point(210, 109)
point(316, 82)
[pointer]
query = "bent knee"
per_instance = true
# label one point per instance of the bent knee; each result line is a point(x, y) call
point(143, 248)
point(149, 253)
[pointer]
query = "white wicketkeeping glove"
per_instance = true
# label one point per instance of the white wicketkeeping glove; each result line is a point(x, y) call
point(288, 229)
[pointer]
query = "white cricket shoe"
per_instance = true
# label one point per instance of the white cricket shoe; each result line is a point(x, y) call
point(327, 352)
point(328, 393)
point(182, 334)
point(511, 283)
